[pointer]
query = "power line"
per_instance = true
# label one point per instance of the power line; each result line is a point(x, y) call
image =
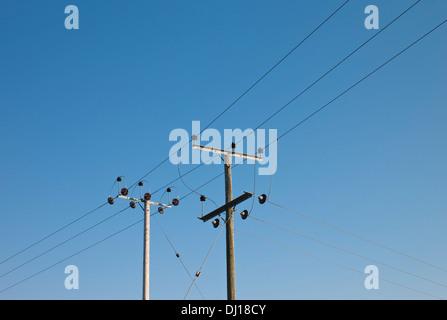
point(360, 81)
point(337, 264)
point(53, 233)
point(203, 263)
point(310, 86)
point(350, 252)
point(252, 86)
point(357, 236)
point(278, 63)
point(337, 65)
point(73, 255)
point(177, 254)
point(64, 242)
point(192, 190)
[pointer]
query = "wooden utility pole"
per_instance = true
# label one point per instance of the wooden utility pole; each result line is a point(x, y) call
point(147, 231)
point(228, 208)
point(231, 272)
point(146, 199)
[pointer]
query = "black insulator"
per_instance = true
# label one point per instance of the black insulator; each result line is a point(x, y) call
point(133, 205)
point(110, 200)
point(233, 145)
point(262, 198)
point(124, 191)
point(161, 210)
point(175, 202)
point(244, 214)
point(202, 198)
point(147, 196)
point(177, 255)
point(216, 223)
point(168, 190)
point(198, 273)
point(140, 183)
point(118, 179)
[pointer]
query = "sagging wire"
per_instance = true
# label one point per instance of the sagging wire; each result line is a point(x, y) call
point(202, 197)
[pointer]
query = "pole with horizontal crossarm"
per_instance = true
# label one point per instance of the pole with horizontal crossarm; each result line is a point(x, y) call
point(228, 208)
point(146, 199)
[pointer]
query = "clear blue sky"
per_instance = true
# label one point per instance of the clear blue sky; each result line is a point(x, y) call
point(81, 107)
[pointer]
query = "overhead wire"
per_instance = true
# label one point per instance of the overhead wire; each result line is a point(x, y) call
point(53, 233)
point(63, 242)
point(357, 236)
point(311, 85)
point(71, 256)
point(349, 252)
point(254, 84)
point(198, 273)
point(337, 264)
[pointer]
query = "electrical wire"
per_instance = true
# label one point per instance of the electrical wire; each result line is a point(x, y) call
point(62, 243)
point(319, 79)
point(177, 254)
point(358, 237)
point(329, 71)
point(181, 178)
point(53, 233)
point(73, 255)
point(337, 65)
point(350, 252)
point(253, 85)
point(360, 81)
point(337, 264)
point(203, 263)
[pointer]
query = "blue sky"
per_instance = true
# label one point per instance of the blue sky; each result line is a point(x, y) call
point(81, 107)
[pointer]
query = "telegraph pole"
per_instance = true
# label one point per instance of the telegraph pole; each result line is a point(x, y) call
point(147, 239)
point(228, 208)
point(231, 272)
point(146, 199)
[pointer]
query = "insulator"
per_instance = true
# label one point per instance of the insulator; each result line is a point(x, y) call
point(168, 190)
point(198, 273)
point(133, 205)
point(244, 214)
point(202, 198)
point(124, 191)
point(233, 145)
point(175, 202)
point(177, 255)
point(110, 200)
point(118, 179)
point(260, 150)
point(216, 223)
point(161, 210)
point(194, 137)
point(147, 196)
point(262, 198)
point(140, 183)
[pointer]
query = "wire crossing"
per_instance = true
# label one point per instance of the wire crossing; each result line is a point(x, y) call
point(198, 273)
